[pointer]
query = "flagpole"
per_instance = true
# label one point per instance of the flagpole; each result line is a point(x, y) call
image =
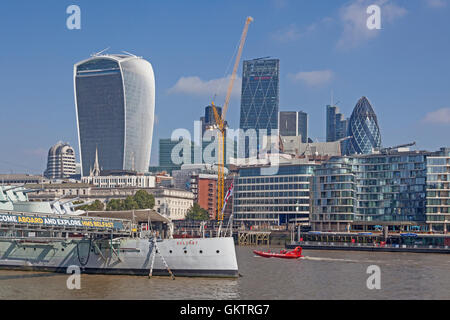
point(230, 219)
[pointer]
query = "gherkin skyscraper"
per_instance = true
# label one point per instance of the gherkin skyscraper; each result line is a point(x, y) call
point(363, 128)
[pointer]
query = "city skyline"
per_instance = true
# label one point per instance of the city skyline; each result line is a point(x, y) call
point(402, 69)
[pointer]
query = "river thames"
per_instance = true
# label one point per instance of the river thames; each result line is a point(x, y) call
point(318, 275)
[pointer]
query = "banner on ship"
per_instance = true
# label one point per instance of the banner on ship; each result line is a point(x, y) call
point(49, 221)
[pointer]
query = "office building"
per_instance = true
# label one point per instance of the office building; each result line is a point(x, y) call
point(182, 176)
point(295, 146)
point(60, 162)
point(172, 203)
point(204, 188)
point(273, 200)
point(303, 126)
point(294, 123)
point(363, 129)
point(259, 98)
point(115, 105)
point(121, 181)
point(337, 125)
point(174, 154)
point(165, 156)
point(19, 179)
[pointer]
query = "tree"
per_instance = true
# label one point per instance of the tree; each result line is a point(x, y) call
point(97, 205)
point(144, 200)
point(197, 213)
point(141, 200)
point(129, 204)
point(114, 205)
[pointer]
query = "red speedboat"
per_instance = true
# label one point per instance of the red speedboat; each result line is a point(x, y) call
point(294, 254)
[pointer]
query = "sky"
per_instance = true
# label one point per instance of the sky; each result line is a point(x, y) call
point(324, 47)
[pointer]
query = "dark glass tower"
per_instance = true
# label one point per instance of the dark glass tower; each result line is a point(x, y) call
point(209, 120)
point(260, 95)
point(364, 130)
point(294, 123)
point(336, 124)
point(288, 123)
point(303, 125)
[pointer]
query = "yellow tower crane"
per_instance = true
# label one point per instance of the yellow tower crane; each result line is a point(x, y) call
point(220, 123)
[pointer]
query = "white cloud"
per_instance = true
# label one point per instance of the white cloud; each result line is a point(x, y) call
point(293, 32)
point(279, 4)
point(198, 87)
point(354, 17)
point(436, 3)
point(440, 116)
point(313, 78)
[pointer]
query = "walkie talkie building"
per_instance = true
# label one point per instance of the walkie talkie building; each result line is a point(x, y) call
point(115, 106)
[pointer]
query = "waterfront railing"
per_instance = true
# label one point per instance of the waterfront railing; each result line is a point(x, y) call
point(368, 245)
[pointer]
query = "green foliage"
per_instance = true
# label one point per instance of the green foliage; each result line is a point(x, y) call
point(141, 200)
point(129, 204)
point(97, 205)
point(144, 200)
point(114, 205)
point(197, 213)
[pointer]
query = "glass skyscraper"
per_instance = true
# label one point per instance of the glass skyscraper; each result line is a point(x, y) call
point(115, 105)
point(303, 125)
point(336, 124)
point(294, 123)
point(364, 130)
point(260, 95)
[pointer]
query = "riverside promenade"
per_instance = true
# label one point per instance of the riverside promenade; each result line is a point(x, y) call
point(372, 241)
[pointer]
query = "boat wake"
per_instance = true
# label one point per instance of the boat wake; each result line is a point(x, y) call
point(337, 260)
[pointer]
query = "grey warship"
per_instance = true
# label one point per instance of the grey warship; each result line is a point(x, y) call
point(52, 236)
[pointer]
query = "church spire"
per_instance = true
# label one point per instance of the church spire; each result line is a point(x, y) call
point(96, 170)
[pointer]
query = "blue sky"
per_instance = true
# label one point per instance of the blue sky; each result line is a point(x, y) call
point(323, 46)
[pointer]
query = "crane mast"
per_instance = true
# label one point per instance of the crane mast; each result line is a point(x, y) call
point(220, 123)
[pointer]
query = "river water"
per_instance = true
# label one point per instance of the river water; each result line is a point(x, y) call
point(319, 275)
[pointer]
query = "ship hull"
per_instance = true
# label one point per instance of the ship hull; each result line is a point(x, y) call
point(199, 257)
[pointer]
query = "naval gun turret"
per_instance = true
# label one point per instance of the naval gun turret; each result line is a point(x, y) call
point(67, 207)
point(15, 199)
